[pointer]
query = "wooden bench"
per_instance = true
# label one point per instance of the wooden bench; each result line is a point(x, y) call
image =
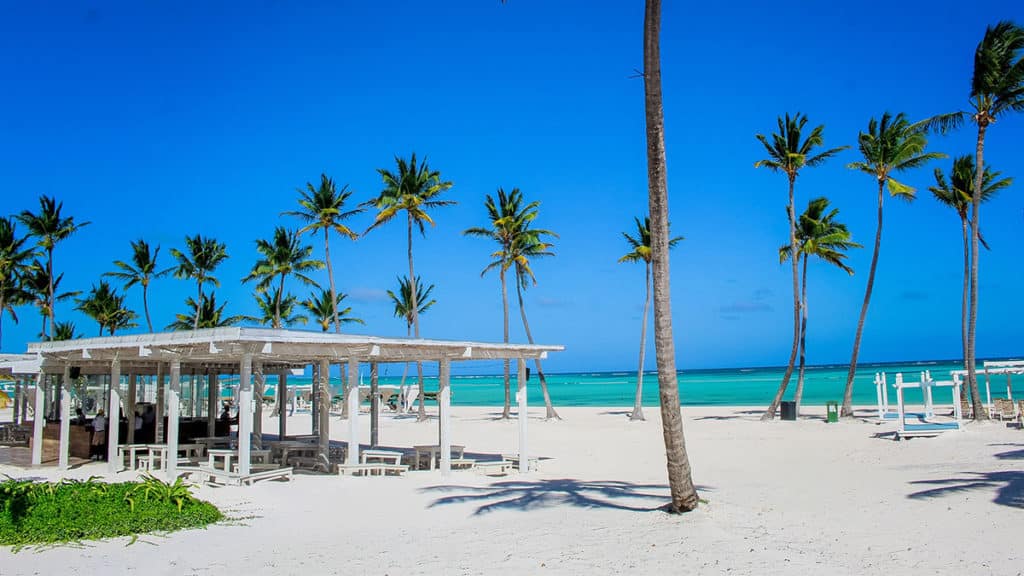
point(373, 467)
point(235, 479)
point(532, 464)
point(493, 468)
point(460, 463)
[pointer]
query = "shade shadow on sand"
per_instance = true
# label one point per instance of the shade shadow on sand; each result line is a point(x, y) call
point(1009, 486)
point(526, 495)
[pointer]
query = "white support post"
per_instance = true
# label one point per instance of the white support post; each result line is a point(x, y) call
point(988, 392)
point(173, 413)
point(132, 378)
point(878, 395)
point(257, 425)
point(444, 398)
point(244, 414)
point(39, 420)
point(524, 459)
point(16, 415)
point(159, 431)
point(900, 411)
point(323, 384)
point(352, 397)
point(113, 417)
point(282, 405)
point(957, 410)
point(65, 420)
point(885, 391)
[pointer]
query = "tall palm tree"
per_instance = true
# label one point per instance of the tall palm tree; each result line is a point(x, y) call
point(65, 331)
point(319, 305)
point(207, 315)
point(890, 145)
point(283, 256)
point(529, 244)
point(956, 193)
point(684, 495)
point(141, 270)
point(104, 305)
point(14, 263)
point(323, 208)
point(270, 301)
point(788, 153)
point(819, 235)
point(414, 189)
point(202, 259)
point(640, 251)
point(508, 218)
point(997, 89)
point(37, 286)
point(404, 309)
point(49, 227)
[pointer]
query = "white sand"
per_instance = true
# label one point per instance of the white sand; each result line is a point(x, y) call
point(782, 498)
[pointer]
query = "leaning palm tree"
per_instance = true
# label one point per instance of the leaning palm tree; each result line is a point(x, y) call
point(207, 315)
point(414, 189)
point(37, 285)
point(684, 494)
point(283, 256)
point(323, 208)
point(890, 145)
point(403, 302)
point(640, 251)
point(956, 193)
point(997, 88)
point(50, 227)
point(819, 235)
point(507, 218)
point(202, 259)
point(65, 331)
point(278, 311)
point(14, 263)
point(319, 305)
point(788, 153)
point(141, 270)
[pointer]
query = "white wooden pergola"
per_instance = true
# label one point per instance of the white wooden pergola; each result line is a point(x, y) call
point(241, 350)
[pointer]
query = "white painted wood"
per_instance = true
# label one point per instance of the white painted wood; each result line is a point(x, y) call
point(324, 386)
point(257, 425)
point(38, 420)
point(444, 399)
point(65, 420)
point(523, 416)
point(173, 414)
point(282, 401)
point(16, 415)
point(159, 430)
point(352, 397)
point(244, 413)
point(113, 416)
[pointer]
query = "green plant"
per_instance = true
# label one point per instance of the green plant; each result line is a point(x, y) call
point(152, 487)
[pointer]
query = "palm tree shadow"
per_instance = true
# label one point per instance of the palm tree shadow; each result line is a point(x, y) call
point(525, 495)
point(1009, 486)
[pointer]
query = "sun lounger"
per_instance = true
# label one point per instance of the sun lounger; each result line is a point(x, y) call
point(1003, 409)
point(378, 468)
point(493, 468)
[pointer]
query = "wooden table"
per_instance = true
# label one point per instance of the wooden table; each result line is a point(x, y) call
point(433, 451)
point(133, 451)
point(214, 441)
point(385, 456)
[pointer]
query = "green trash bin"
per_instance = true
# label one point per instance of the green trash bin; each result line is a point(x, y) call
point(831, 412)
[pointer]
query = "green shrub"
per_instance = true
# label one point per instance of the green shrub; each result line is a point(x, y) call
point(73, 510)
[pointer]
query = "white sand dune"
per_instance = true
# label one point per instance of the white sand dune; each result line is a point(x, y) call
point(782, 498)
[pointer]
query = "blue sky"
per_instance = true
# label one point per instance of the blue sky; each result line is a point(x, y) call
point(159, 119)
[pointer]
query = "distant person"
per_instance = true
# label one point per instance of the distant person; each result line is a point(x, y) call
point(98, 442)
point(79, 417)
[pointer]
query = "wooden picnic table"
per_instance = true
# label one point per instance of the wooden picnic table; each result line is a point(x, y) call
point(283, 450)
point(384, 456)
point(133, 451)
point(433, 452)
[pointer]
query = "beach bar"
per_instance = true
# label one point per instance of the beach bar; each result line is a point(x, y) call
point(250, 352)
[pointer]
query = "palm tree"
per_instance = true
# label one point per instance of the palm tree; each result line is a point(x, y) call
point(412, 188)
point(788, 153)
point(404, 309)
point(818, 235)
point(204, 255)
point(956, 193)
point(49, 227)
point(997, 88)
point(890, 145)
point(37, 286)
point(529, 244)
point(141, 270)
point(65, 331)
point(14, 263)
point(283, 256)
point(640, 251)
point(268, 302)
point(99, 304)
point(323, 208)
point(508, 218)
point(208, 315)
point(319, 305)
point(684, 495)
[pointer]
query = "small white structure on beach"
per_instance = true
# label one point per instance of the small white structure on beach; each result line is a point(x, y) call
point(254, 352)
point(996, 368)
point(925, 425)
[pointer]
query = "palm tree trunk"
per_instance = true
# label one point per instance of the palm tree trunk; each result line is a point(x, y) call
point(199, 304)
point(963, 301)
point(2, 319)
point(145, 306)
point(405, 372)
point(507, 409)
point(549, 409)
point(330, 278)
point(848, 391)
point(972, 320)
point(684, 495)
point(770, 412)
point(798, 396)
point(277, 303)
point(49, 271)
point(422, 413)
point(638, 411)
